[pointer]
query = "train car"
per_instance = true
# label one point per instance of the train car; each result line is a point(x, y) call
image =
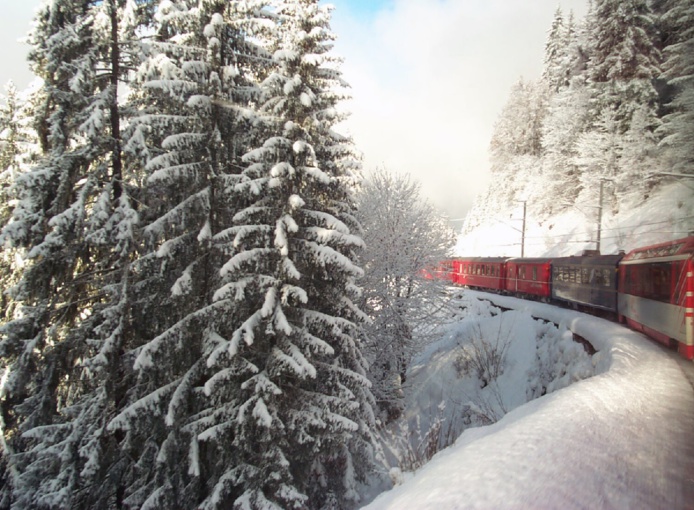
point(656, 293)
point(529, 277)
point(586, 281)
point(480, 272)
point(442, 271)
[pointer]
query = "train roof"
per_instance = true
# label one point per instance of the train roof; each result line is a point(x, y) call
point(490, 260)
point(589, 260)
point(531, 260)
point(677, 249)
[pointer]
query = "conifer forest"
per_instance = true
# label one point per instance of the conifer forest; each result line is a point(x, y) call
point(189, 308)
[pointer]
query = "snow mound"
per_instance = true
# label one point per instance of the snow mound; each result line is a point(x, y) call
point(620, 439)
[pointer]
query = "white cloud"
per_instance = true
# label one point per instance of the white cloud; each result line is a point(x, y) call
point(429, 78)
point(15, 21)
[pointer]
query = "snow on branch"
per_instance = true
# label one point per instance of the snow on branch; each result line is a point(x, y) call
point(149, 404)
point(199, 200)
point(325, 255)
point(237, 261)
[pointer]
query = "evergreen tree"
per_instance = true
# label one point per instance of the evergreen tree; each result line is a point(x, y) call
point(556, 53)
point(17, 151)
point(289, 383)
point(568, 117)
point(75, 219)
point(195, 122)
point(516, 144)
point(625, 58)
point(678, 129)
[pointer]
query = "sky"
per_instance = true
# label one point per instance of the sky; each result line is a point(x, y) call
point(428, 80)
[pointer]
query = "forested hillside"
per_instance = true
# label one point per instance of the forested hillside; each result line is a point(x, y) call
point(179, 327)
point(610, 117)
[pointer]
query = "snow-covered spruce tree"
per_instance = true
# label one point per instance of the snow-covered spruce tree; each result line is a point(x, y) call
point(195, 123)
point(18, 150)
point(554, 72)
point(74, 218)
point(677, 130)
point(293, 401)
point(568, 117)
point(516, 144)
point(625, 57)
point(404, 237)
point(624, 65)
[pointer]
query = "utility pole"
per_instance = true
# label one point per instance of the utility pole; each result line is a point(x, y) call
point(525, 203)
point(597, 244)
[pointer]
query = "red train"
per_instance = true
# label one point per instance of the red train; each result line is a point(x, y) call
point(651, 289)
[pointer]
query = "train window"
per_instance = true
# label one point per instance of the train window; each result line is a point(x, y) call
point(585, 277)
point(651, 281)
point(660, 274)
point(534, 274)
point(606, 277)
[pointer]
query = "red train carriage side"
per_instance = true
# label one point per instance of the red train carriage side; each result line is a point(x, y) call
point(656, 292)
point(480, 272)
point(529, 277)
point(442, 271)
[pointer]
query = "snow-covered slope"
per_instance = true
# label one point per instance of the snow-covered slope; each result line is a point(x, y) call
point(667, 215)
point(620, 439)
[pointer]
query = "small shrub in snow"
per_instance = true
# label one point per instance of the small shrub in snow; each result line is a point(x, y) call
point(482, 357)
point(560, 361)
point(407, 446)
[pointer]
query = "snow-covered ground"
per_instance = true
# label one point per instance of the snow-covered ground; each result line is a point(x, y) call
point(667, 215)
point(623, 438)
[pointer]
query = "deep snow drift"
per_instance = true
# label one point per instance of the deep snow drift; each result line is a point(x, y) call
point(619, 439)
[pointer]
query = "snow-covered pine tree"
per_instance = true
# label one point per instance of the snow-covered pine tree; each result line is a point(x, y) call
point(568, 117)
point(625, 57)
point(556, 53)
point(75, 219)
point(677, 130)
point(289, 382)
point(404, 237)
point(622, 71)
point(516, 144)
point(194, 90)
point(18, 150)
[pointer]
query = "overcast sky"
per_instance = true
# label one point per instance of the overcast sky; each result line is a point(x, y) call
point(429, 78)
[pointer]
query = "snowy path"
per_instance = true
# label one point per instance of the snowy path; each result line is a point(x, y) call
point(623, 439)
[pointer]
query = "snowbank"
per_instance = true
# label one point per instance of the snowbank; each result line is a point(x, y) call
point(620, 439)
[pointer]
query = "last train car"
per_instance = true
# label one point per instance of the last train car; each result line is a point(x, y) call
point(656, 293)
